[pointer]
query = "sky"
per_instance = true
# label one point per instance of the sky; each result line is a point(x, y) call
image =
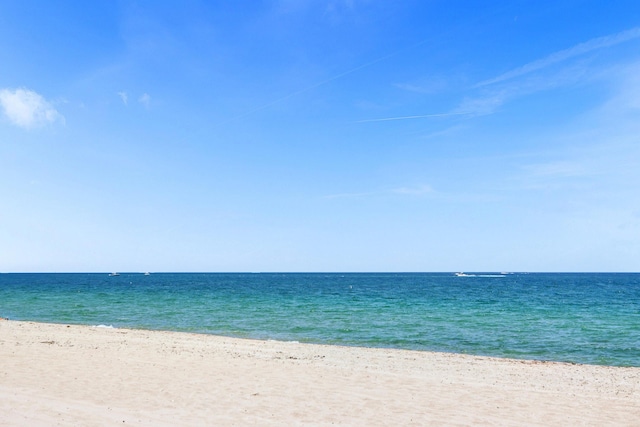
point(319, 136)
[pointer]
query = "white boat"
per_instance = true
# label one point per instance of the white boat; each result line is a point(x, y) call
point(147, 274)
point(114, 274)
point(479, 275)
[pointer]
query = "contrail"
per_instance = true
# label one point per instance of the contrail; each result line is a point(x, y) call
point(350, 71)
point(324, 82)
point(387, 119)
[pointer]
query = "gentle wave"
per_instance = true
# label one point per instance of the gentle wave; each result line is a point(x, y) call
point(582, 318)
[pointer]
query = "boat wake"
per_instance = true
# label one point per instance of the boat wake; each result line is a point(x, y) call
point(479, 275)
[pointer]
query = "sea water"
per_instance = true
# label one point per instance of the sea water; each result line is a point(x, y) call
point(581, 318)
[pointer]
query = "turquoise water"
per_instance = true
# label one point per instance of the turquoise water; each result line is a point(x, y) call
point(582, 318)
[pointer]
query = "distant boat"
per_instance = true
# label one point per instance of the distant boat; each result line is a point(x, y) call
point(114, 274)
point(147, 274)
point(479, 275)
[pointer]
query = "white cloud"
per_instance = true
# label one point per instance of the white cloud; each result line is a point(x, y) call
point(580, 49)
point(145, 99)
point(124, 97)
point(27, 109)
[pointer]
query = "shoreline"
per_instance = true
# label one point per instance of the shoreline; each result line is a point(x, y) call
point(87, 375)
point(231, 337)
point(484, 356)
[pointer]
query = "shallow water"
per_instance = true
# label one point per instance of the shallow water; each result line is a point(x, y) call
point(582, 318)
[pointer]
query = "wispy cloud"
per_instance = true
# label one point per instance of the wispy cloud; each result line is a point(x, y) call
point(124, 97)
point(572, 170)
point(145, 100)
point(427, 86)
point(489, 100)
point(483, 105)
point(443, 132)
point(414, 191)
point(28, 109)
point(580, 49)
point(597, 153)
point(556, 169)
point(482, 99)
point(627, 99)
point(406, 191)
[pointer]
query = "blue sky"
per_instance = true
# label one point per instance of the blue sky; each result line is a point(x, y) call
point(320, 135)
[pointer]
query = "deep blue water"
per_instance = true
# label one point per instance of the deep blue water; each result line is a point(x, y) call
point(582, 318)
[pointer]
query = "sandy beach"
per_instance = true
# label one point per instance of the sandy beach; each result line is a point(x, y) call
point(79, 375)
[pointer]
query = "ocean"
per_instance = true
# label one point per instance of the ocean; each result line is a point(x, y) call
point(591, 318)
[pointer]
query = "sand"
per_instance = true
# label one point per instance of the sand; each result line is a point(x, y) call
point(68, 375)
